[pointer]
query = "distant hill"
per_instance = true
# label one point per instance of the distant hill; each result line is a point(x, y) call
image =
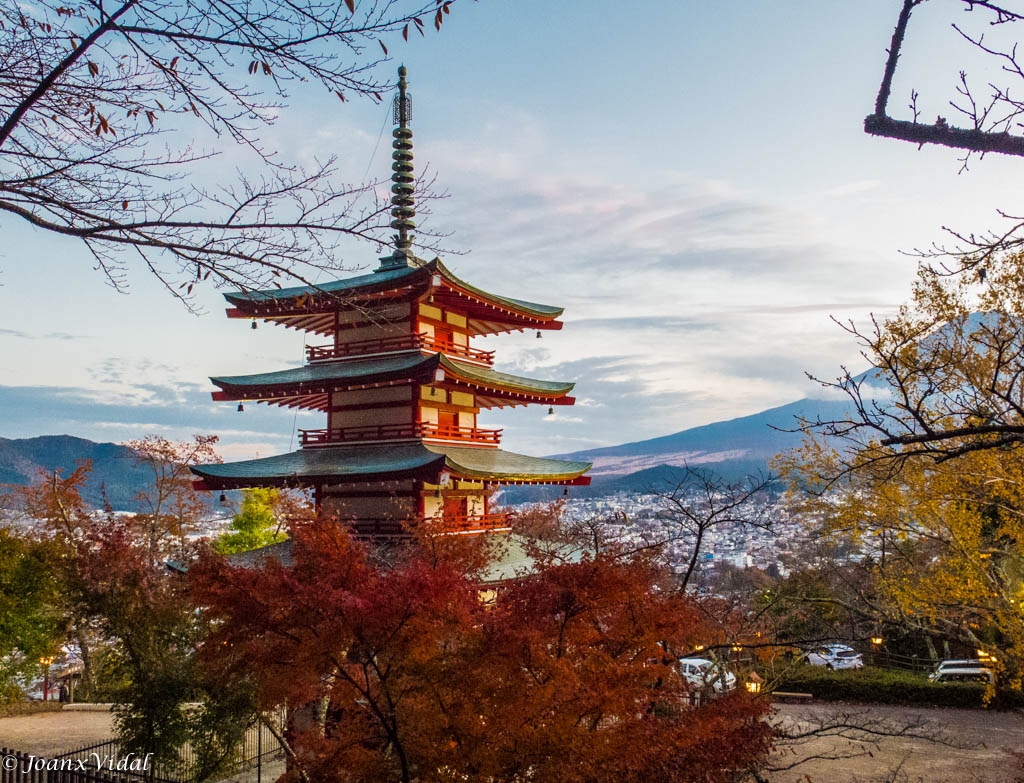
point(731, 449)
point(749, 439)
point(113, 466)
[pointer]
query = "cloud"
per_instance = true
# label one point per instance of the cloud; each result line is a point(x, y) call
point(853, 188)
point(30, 411)
point(17, 333)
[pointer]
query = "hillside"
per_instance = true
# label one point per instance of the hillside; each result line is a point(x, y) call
point(748, 440)
point(731, 449)
point(113, 468)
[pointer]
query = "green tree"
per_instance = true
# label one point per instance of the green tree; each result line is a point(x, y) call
point(256, 524)
point(32, 625)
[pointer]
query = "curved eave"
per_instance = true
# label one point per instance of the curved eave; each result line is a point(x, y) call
point(492, 382)
point(506, 467)
point(490, 313)
point(346, 464)
point(314, 467)
point(309, 386)
point(310, 307)
point(303, 298)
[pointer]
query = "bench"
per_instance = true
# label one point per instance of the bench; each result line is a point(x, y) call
point(787, 696)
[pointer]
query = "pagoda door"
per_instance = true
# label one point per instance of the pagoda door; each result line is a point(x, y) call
point(455, 509)
point(443, 338)
point(447, 423)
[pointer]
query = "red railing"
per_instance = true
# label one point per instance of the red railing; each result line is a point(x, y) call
point(448, 432)
point(356, 434)
point(462, 523)
point(404, 342)
point(324, 437)
point(461, 351)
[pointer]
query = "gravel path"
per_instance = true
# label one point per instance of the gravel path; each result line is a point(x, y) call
point(50, 733)
point(973, 746)
point(978, 752)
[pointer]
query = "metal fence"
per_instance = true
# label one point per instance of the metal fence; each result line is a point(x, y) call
point(20, 767)
point(110, 762)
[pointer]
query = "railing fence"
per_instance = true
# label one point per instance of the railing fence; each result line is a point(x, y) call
point(98, 763)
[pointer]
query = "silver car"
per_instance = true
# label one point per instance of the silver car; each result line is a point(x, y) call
point(701, 673)
point(835, 656)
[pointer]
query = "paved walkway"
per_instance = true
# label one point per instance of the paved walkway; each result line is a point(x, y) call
point(974, 746)
point(49, 733)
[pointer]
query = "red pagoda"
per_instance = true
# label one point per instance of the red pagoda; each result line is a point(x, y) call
point(402, 387)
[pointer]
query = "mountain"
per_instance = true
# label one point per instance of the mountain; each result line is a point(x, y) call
point(749, 439)
point(113, 466)
point(731, 449)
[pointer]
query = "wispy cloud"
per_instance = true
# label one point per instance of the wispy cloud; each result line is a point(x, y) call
point(18, 334)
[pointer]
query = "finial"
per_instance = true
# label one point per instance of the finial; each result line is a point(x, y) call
point(402, 204)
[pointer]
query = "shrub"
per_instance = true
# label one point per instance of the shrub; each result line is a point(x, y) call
point(886, 686)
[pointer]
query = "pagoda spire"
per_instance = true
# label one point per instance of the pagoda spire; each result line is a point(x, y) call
point(402, 202)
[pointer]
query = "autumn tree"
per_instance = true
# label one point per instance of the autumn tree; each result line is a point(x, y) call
point(52, 510)
point(945, 379)
point(944, 542)
point(411, 676)
point(108, 600)
point(170, 507)
point(144, 613)
point(108, 112)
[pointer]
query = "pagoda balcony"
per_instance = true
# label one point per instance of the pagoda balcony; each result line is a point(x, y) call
point(468, 434)
point(378, 432)
point(405, 342)
point(466, 523)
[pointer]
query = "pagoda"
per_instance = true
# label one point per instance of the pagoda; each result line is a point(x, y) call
point(401, 385)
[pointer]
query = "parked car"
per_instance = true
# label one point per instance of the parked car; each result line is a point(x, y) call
point(962, 670)
point(835, 656)
point(983, 676)
point(702, 673)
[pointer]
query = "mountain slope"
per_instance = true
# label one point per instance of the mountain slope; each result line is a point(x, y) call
point(751, 440)
point(113, 466)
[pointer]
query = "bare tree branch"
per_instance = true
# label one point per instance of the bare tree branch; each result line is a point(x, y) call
point(88, 96)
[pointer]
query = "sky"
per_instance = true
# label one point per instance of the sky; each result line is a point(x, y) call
point(690, 180)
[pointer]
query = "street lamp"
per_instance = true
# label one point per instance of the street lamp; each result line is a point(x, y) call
point(46, 676)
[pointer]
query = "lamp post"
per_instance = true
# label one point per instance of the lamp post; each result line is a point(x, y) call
point(46, 676)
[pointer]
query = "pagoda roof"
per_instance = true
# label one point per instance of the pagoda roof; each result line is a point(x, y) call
point(309, 385)
point(378, 462)
point(298, 306)
point(511, 556)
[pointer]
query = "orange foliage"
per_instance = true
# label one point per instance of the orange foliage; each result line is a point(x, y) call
point(564, 677)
